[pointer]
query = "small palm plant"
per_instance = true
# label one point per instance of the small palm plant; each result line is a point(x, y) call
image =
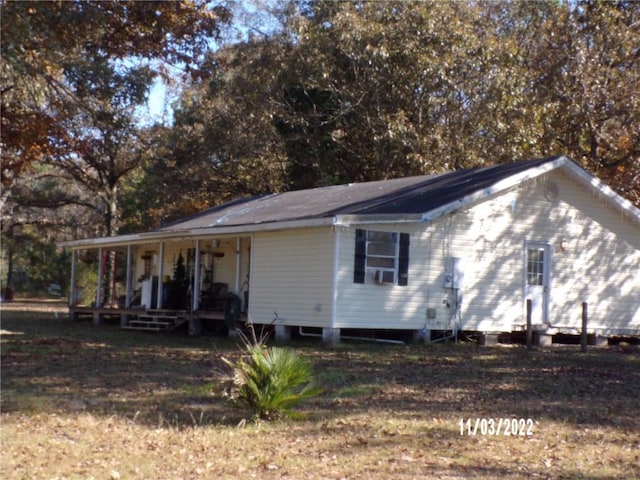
point(270, 381)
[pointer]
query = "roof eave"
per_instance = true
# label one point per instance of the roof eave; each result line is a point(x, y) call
point(194, 234)
point(377, 219)
point(624, 206)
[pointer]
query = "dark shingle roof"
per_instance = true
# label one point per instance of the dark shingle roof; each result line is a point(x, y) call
point(409, 195)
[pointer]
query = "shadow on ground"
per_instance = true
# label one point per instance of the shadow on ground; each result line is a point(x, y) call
point(55, 365)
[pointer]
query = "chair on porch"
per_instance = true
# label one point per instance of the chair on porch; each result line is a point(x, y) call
point(214, 297)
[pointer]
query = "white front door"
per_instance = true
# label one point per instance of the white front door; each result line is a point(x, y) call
point(538, 280)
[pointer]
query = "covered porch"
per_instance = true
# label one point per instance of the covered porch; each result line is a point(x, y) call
point(160, 284)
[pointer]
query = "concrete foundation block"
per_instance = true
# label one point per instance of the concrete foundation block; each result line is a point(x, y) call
point(544, 340)
point(600, 341)
point(283, 333)
point(331, 336)
point(489, 339)
point(421, 336)
point(195, 327)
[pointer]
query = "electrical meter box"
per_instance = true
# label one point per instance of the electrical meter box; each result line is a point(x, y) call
point(453, 273)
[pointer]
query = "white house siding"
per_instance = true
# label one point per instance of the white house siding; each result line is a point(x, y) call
point(385, 306)
point(596, 259)
point(402, 307)
point(292, 274)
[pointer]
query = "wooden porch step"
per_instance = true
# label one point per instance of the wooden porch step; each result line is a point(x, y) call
point(143, 328)
point(143, 322)
point(157, 321)
point(157, 318)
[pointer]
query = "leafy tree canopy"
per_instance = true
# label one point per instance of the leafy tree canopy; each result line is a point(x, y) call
point(353, 91)
point(73, 74)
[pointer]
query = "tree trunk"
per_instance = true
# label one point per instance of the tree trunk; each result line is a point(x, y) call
point(112, 231)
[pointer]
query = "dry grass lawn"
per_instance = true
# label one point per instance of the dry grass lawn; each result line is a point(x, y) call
point(80, 402)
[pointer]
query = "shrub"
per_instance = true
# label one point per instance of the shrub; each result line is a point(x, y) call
point(270, 381)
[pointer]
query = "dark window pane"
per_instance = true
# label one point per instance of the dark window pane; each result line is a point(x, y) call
point(381, 262)
point(388, 249)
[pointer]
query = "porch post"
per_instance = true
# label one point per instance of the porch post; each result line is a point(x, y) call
point(195, 327)
point(160, 275)
point(195, 290)
point(73, 294)
point(127, 300)
point(100, 274)
point(238, 264)
point(124, 318)
point(97, 318)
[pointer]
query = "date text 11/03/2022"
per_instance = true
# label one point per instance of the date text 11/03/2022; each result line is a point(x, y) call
point(521, 427)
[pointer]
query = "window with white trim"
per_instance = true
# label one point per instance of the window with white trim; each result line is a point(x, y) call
point(381, 257)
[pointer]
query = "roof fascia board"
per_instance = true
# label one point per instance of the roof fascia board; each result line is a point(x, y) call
point(617, 201)
point(260, 227)
point(193, 234)
point(97, 242)
point(381, 219)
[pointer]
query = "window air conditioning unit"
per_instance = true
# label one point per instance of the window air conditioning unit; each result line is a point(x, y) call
point(382, 276)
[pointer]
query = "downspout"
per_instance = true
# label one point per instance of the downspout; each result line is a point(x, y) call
point(252, 250)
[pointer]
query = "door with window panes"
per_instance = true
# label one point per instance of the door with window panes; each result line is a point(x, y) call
point(538, 280)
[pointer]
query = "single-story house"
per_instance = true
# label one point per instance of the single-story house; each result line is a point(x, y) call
point(458, 251)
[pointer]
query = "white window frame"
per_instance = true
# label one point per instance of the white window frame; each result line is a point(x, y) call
point(372, 270)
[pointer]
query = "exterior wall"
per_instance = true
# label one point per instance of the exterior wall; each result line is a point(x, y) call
point(381, 306)
point(596, 259)
point(292, 274)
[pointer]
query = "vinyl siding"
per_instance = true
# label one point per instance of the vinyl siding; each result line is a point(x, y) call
point(386, 306)
point(596, 259)
point(599, 264)
point(292, 274)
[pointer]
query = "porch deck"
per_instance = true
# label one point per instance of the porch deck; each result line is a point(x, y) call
point(136, 318)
